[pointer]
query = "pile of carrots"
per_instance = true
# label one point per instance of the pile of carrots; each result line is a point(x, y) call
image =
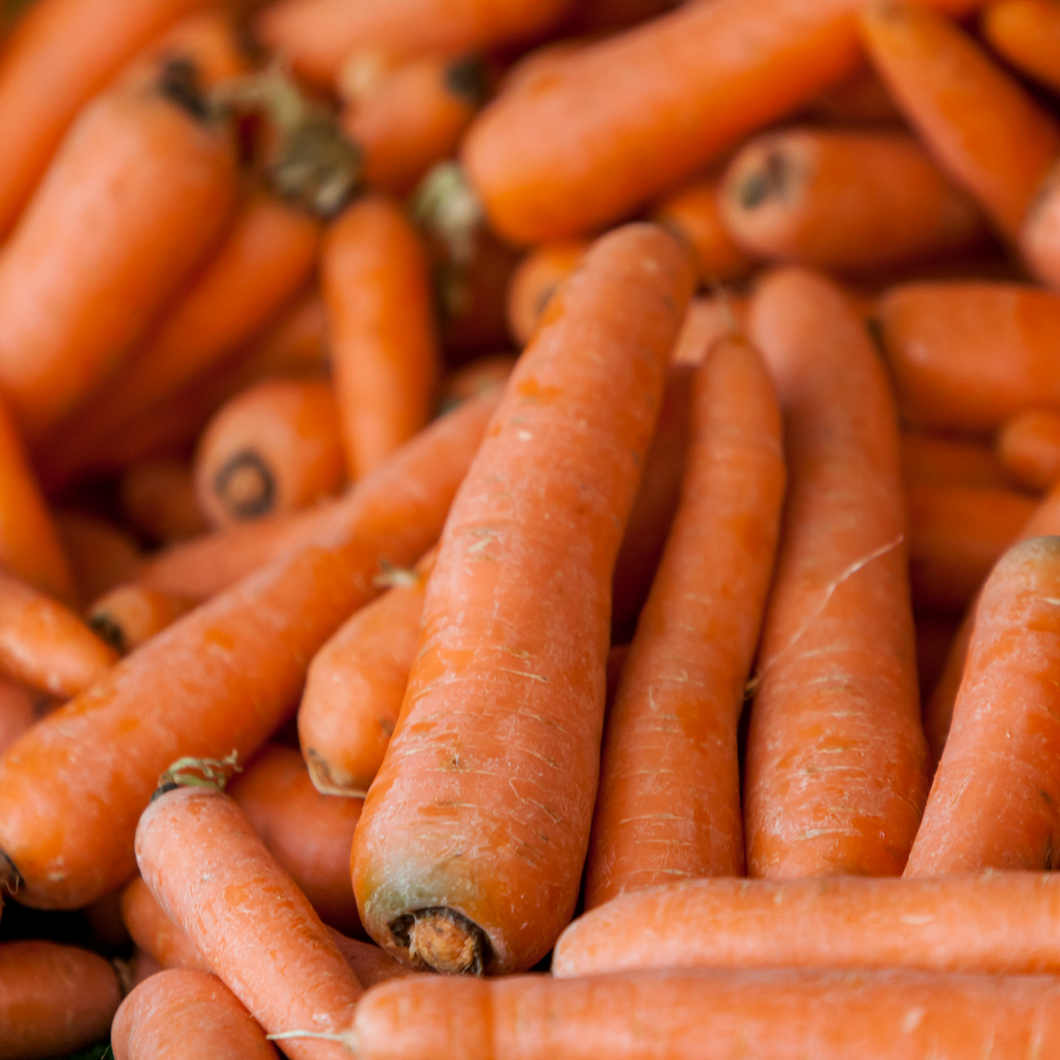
point(530, 529)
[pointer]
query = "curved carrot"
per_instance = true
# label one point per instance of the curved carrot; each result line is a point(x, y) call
point(844, 200)
point(102, 555)
point(356, 684)
point(1040, 236)
point(1027, 34)
point(707, 319)
point(1028, 446)
point(154, 932)
point(19, 709)
point(836, 763)
point(181, 1013)
point(939, 461)
point(535, 281)
point(276, 447)
point(158, 498)
point(981, 125)
point(128, 617)
point(567, 445)
point(994, 800)
point(669, 799)
point(222, 678)
point(138, 192)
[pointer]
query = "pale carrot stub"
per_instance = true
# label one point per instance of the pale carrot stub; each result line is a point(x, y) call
point(1028, 446)
point(129, 616)
point(181, 1013)
point(836, 770)
point(669, 799)
point(496, 752)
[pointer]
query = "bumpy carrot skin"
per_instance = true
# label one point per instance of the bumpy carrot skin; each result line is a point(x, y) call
point(158, 498)
point(180, 1013)
point(1028, 445)
point(1027, 34)
point(490, 678)
point(985, 130)
point(933, 460)
point(836, 761)
point(151, 928)
point(102, 555)
point(128, 617)
point(371, 964)
point(236, 667)
point(202, 860)
point(669, 799)
point(1040, 236)
point(535, 281)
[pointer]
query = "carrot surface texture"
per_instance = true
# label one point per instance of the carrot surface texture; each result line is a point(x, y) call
point(469, 852)
point(836, 761)
point(222, 678)
point(535, 281)
point(154, 932)
point(669, 798)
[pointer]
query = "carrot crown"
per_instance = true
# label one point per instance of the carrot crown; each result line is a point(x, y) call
point(198, 773)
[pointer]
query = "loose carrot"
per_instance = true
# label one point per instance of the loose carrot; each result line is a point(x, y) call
point(53, 999)
point(567, 444)
point(932, 460)
point(1027, 34)
point(836, 762)
point(1028, 445)
point(183, 1013)
point(991, 137)
point(308, 834)
point(1040, 237)
point(102, 556)
point(994, 800)
point(136, 195)
point(158, 499)
point(222, 678)
point(535, 281)
point(128, 617)
point(669, 798)
point(276, 447)
point(356, 684)
point(844, 200)
point(154, 932)
point(384, 348)
point(486, 373)
point(708, 319)
point(19, 709)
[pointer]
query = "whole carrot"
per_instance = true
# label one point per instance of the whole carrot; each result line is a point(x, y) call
point(157, 497)
point(128, 617)
point(497, 747)
point(1027, 34)
point(836, 762)
point(1028, 446)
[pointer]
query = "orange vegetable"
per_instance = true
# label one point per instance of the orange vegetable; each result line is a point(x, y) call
point(535, 281)
point(860, 99)
point(486, 373)
point(708, 319)
point(19, 709)
point(1027, 34)
point(1040, 237)
point(128, 617)
point(154, 932)
point(102, 555)
point(1028, 445)
point(158, 499)
point(937, 461)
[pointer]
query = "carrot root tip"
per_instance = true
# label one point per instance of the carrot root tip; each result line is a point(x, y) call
point(10, 877)
point(245, 485)
point(443, 940)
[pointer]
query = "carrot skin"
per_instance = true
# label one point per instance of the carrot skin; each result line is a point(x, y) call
point(19, 709)
point(154, 932)
point(102, 555)
point(128, 617)
point(1028, 445)
point(933, 460)
point(1027, 34)
point(158, 498)
point(535, 281)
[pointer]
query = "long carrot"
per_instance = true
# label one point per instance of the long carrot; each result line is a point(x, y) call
point(1027, 34)
point(154, 932)
point(1028, 445)
point(535, 530)
point(235, 668)
point(836, 762)
point(157, 498)
point(669, 798)
point(129, 616)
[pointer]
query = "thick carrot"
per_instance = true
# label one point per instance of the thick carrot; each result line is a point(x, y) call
point(836, 763)
point(158, 499)
point(182, 1013)
point(1040, 236)
point(969, 355)
point(102, 555)
point(54, 999)
point(669, 798)
point(200, 857)
point(1027, 34)
point(128, 617)
point(19, 709)
point(384, 348)
point(1028, 445)
point(356, 684)
point(844, 199)
point(276, 447)
point(708, 318)
point(138, 192)
point(939, 461)
point(308, 834)
point(536, 280)
point(993, 803)
point(222, 678)
point(497, 747)
point(154, 932)
point(985, 130)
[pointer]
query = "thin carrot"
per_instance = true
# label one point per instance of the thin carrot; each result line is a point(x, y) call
point(669, 799)
point(181, 1013)
point(102, 555)
point(934, 460)
point(1028, 445)
point(1040, 236)
point(535, 281)
point(223, 677)
point(1027, 34)
point(128, 617)
point(567, 445)
point(986, 131)
point(158, 499)
point(154, 932)
point(276, 447)
point(707, 319)
point(836, 763)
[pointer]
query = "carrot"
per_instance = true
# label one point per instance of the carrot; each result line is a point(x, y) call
point(843, 199)
point(860, 99)
point(384, 348)
point(1028, 445)
point(491, 677)
point(154, 932)
point(708, 319)
point(536, 279)
point(136, 195)
point(669, 798)
point(968, 355)
point(60, 54)
point(987, 133)
point(937, 461)
point(1027, 34)
point(1040, 237)
point(158, 498)
point(53, 999)
point(142, 966)
point(102, 556)
point(276, 447)
point(128, 617)
point(994, 798)
point(308, 834)
point(371, 964)
point(356, 684)
point(222, 678)
point(484, 374)
point(208, 1016)
point(19, 709)
point(836, 762)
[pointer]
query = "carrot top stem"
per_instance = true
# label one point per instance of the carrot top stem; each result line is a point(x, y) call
point(197, 773)
point(449, 211)
point(443, 939)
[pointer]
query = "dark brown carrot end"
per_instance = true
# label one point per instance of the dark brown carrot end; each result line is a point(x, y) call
point(245, 486)
point(180, 82)
point(10, 877)
point(769, 181)
point(443, 940)
point(467, 78)
point(108, 631)
point(197, 773)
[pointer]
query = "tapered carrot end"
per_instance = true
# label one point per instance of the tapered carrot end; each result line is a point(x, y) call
point(444, 940)
point(10, 877)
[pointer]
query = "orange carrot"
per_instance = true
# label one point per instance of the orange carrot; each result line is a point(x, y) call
point(154, 932)
point(708, 319)
point(356, 684)
point(669, 798)
point(383, 337)
point(1040, 237)
point(158, 499)
point(128, 617)
point(1027, 34)
point(991, 137)
point(276, 447)
point(53, 999)
point(842, 199)
point(371, 964)
point(937, 461)
point(993, 804)
point(19, 709)
point(568, 444)
point(536, 280)
point(308, 834)
point(1028, 445)
point(836, 762)
point(102, 556)
point(486, 373)
point(222, 678)
point(183, 1013)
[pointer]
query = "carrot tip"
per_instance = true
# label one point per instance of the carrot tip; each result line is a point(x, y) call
point(108, 631)
point(197, 773)
point(245, 486)
point(10, 877)
point(444, 940)
point(324, 782)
